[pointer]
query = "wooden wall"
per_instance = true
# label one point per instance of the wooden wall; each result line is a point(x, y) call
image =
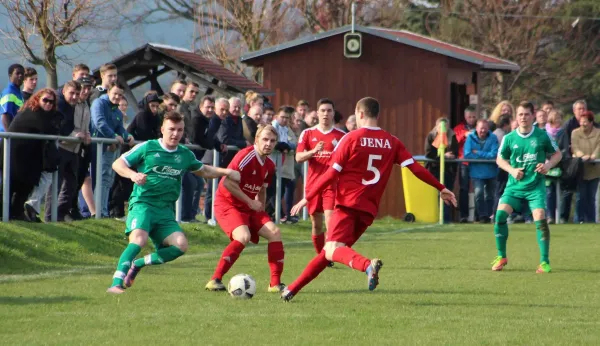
point(411, 85)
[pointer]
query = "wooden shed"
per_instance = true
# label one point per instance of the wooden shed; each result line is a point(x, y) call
point(417, 79)
point(143, 66)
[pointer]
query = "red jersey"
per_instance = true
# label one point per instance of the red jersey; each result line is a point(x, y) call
point(318, 164)
point(365, 158)
point(255, 174)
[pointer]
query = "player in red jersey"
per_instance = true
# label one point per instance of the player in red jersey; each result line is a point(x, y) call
point(239, 209)
point(316, 145)
point(362, 161)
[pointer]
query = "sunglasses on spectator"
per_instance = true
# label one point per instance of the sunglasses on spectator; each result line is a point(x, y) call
point(49, 101)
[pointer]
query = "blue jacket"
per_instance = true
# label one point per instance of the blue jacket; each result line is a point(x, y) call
point(11, 100)
point(107, 119)
point(486, 149)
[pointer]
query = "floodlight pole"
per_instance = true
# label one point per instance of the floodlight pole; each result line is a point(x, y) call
point(353, 9)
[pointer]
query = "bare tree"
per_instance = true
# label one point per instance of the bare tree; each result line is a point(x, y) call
point(535, 34)
point(36, 29)
point(323, 15)
point(224, 29)
point(229, 28)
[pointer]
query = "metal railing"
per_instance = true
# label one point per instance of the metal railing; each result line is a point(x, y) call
point(99, 142)
point(421, 158)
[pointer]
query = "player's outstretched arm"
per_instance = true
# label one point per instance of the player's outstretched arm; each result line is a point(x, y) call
point(120, 166)
point(210, 172)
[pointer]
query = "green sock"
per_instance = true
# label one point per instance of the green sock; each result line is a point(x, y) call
point(501, 232)
point(125, 260)
point(163, 255)
point(543, 239)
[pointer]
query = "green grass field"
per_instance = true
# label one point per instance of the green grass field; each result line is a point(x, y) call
point(436, 288)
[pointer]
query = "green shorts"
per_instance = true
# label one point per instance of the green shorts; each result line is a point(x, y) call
point(158, 222)
point(536, 197)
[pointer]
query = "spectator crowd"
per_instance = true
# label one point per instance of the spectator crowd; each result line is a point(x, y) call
point(476, 137)
point(84, 110)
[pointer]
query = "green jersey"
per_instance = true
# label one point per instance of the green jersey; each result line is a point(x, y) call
point(526, 151)
point(163, 168)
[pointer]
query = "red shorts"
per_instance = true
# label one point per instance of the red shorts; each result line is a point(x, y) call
point(323, 201)
point(347, 225)
point(229, 218)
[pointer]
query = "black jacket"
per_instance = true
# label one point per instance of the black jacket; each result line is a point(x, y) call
point(231, 132)
point(145, 126)
point(26, 155)
point(249, 128)
point(214, 125)
point(67, 124)
point(200, 134)
point(185, 109)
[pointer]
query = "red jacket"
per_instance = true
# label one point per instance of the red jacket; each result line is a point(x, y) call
point(461, 131)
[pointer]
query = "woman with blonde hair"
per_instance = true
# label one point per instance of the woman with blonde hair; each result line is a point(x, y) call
point(504, 107)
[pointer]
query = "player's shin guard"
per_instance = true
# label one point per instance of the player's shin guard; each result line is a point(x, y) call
point(543, 239)
point(161, 256)
point(230, 255)
point(351, 258)
point(501, 232)
point(312, 270)
point(125, 263)
point(318, 242)
point(275, 256)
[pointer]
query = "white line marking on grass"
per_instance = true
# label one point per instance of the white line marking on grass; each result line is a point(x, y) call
point(58, 273)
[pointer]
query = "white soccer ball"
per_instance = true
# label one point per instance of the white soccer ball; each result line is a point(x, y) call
point(242, 286)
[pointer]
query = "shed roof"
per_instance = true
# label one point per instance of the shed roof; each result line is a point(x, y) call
point(485, 61)
point(192, 62)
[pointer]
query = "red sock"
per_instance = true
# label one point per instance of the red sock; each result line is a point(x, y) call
point(312, 270)
point(318, 242)
point(230, 255)
point(275, 257)
point(351, 258)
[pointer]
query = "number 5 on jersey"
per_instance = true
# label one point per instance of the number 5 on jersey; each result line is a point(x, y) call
point(373, 169)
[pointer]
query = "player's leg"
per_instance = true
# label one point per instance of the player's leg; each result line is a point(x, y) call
point(346, 228)
point(318, 231)
point(315, 210)
point(310, 272)
point(239, 238)
point(137, 240)
point(537, 204)
point(275, 252)
point(506, 206)
point(169, 241)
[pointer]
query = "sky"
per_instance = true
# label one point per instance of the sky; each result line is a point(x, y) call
point(127, 40)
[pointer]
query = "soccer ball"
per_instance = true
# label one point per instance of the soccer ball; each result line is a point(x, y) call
point(242, 286)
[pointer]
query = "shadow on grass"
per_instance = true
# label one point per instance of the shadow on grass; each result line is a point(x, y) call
point(412, 292)
point(38, 300)
point(400, 292)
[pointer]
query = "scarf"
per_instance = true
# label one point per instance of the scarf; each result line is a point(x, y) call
point(552, 132)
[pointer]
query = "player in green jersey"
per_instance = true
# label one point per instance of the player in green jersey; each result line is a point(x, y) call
point(523, 154)
point(160, 164)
